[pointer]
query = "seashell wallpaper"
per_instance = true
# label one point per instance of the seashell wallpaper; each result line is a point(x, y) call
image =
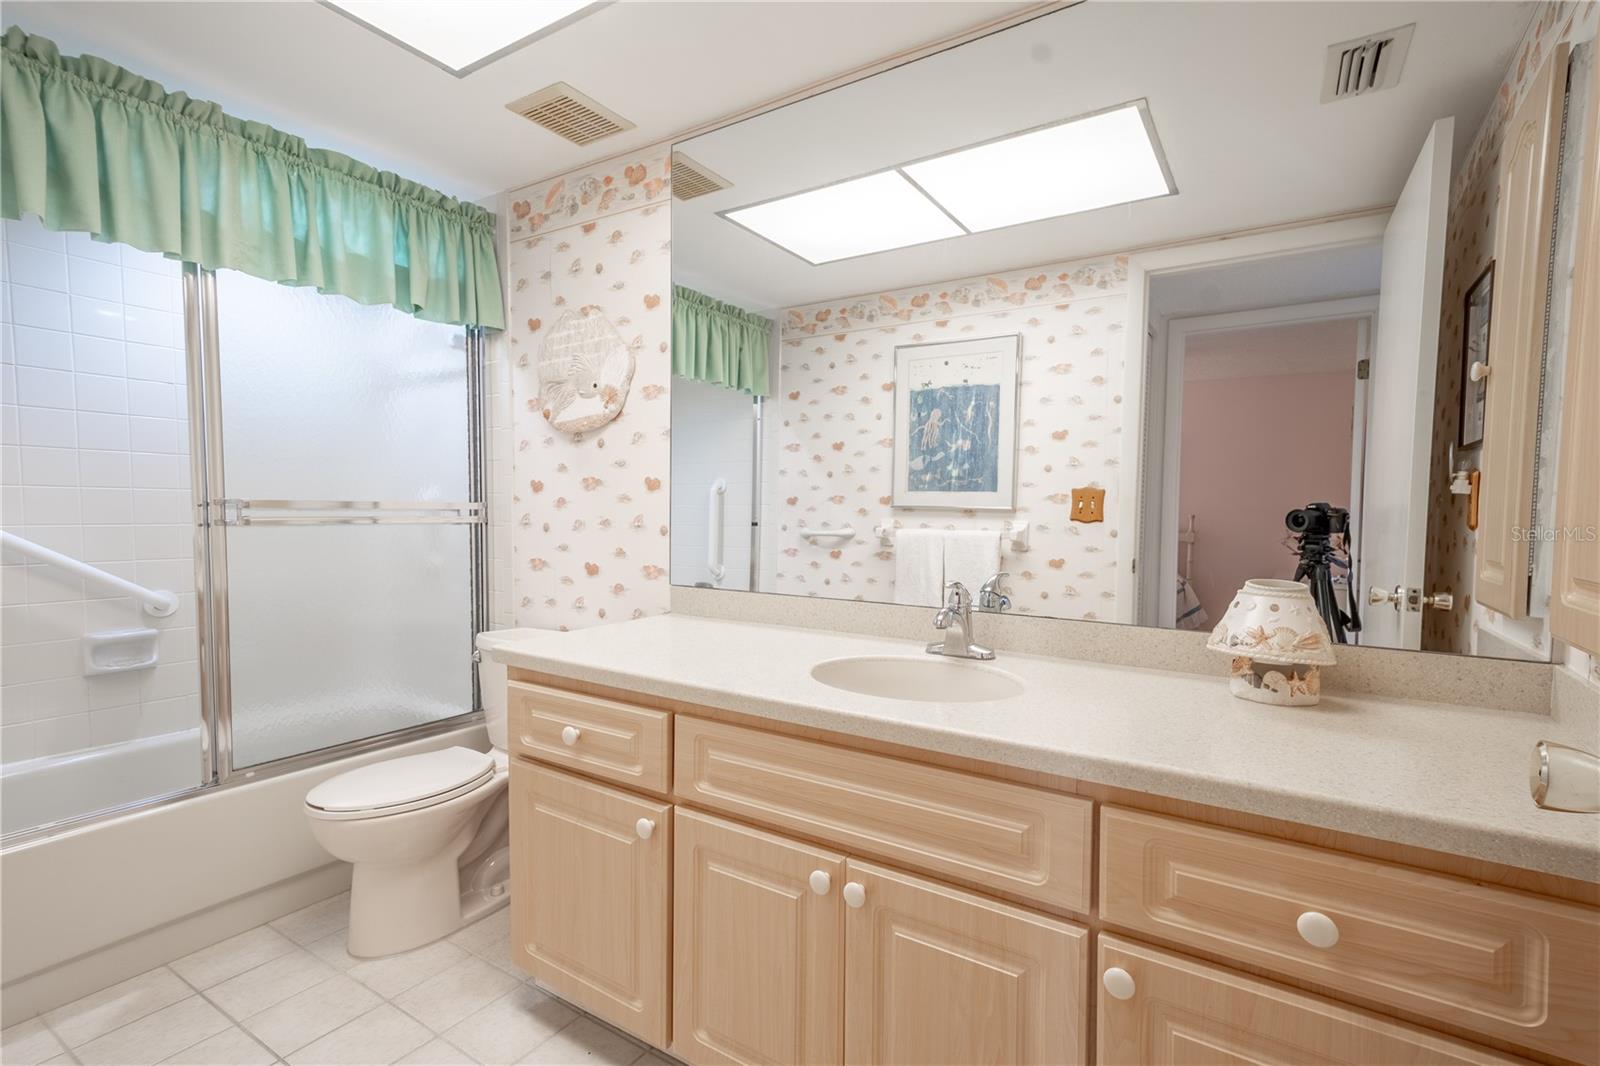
point(1469, 246)
point(589, 510)
point(830, 433)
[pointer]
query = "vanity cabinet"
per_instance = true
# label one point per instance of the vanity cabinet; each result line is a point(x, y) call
point(1161, 1009)
point(743, 894)
point(590, 882)
point(773, 937)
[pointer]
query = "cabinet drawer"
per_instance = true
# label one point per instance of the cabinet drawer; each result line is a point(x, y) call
point(1517, 967)
point(591, 872)
point(610, 740)
point(1012, 838)
point(1182, 1012)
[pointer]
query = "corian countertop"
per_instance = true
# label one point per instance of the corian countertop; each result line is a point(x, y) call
point(1438, 776)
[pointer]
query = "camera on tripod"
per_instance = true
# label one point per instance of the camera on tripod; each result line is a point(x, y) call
point(1316, 524)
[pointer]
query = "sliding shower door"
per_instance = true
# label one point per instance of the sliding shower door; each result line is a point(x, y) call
point(345, 519)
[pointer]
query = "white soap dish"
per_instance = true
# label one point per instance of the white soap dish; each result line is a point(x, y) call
point(116, 651)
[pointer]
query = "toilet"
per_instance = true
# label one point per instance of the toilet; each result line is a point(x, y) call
point(427, 835)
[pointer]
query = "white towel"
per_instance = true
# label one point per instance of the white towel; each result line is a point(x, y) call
point(971, 557)
point(1190, 614)
point(919, 567)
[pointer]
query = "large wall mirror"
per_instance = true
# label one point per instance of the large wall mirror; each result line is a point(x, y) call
point(1107, 312)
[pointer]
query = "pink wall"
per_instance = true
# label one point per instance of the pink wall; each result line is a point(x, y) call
point(1254, 448)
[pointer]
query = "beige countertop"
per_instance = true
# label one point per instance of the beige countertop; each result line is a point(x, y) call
point(1438, 776)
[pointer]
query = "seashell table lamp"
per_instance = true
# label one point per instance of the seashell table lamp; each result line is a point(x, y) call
point(1278, 641)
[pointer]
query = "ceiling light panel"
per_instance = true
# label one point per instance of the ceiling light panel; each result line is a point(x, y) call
point(1078, 165)
point(855, 217)
point(461, 35)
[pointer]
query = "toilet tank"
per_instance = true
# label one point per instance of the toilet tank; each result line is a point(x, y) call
point(492, 678)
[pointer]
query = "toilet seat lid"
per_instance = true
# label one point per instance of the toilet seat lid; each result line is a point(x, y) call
point(408, 780)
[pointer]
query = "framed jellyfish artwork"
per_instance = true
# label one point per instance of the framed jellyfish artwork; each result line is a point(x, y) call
point(955, 421)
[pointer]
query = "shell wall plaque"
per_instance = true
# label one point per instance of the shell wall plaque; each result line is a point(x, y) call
point(585, 369)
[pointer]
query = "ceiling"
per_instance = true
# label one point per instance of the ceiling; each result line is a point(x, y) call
point(1234, 90)
point(665, 66)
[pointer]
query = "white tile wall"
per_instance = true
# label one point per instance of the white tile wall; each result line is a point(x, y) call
point(93, 463)
point(712, 437)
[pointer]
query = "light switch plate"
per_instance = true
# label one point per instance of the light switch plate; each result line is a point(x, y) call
point(1088, 505)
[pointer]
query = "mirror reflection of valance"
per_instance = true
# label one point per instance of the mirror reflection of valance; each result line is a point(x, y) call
point(88, 146)
point(719, 343)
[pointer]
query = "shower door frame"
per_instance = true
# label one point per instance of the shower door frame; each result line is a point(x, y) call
point(216, 513)
point(204, 407)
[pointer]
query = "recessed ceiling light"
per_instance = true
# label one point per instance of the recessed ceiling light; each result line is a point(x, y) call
point(463, 35)
point(1078, 165)
point(855, 217)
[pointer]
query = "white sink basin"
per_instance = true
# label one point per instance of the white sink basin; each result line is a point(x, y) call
point(928, 679)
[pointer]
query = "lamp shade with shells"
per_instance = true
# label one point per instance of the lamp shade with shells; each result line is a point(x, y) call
point(1278, 643)
point(585, 369)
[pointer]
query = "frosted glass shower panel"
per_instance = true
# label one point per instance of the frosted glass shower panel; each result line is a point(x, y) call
point(345, 632)
point(327, 399)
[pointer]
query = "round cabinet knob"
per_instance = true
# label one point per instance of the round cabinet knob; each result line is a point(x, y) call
point(644, 827)
point(1317, 929)
point(570, 735)
point(821, 882)
point(854, 894)
point(1118, 982)
point(1478, 371)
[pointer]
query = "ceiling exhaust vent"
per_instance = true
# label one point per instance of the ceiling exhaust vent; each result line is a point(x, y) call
point(1366, 65)
point(691, 179)
point(566, 112)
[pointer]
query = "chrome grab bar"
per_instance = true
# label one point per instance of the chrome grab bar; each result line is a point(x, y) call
point(158, 602)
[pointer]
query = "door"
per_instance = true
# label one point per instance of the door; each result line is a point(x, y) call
point(758, 950)
point(1575, 585)
point(935, 975)
point(345, 515)
point(1160, 1009)
point(589, 903)
point(1394, 520)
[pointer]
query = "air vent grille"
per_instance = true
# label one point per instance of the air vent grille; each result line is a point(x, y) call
point(691, 179)
point(566, 112)
point(1366, 64)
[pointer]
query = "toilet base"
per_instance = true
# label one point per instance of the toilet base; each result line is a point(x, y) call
point(398, 907)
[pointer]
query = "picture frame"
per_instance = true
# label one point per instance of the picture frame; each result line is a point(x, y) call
point(1476, 313)
point(955, 424)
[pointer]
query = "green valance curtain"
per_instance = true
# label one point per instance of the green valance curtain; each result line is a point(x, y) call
point(717, 342)
point(86, 145)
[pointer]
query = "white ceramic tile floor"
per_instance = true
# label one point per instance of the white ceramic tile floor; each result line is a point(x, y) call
point(288, 992)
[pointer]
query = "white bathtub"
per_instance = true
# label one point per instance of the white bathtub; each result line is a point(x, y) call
point(53, 788)
point(98, 903)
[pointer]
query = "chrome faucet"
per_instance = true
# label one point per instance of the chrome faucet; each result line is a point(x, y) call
point(990, 598)
point(955, 621)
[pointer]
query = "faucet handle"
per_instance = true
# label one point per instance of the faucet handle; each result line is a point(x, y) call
point(957, 595)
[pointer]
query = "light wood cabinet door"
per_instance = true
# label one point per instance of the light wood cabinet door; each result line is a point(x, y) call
point(935, 975)
point(590, 869)
point(1522, 233)
point(1179, 1012)
point(758, 947)
point(1575, 583)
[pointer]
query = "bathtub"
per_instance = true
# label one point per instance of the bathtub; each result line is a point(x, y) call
point(54, 788)
point(96, 903)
